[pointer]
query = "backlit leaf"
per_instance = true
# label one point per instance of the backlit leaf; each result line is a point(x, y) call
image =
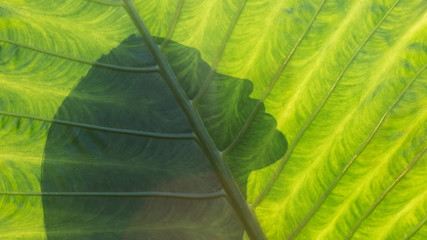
point(317, 107)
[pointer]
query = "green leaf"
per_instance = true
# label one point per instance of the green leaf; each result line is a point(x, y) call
point(120, 158)
point(85, 115)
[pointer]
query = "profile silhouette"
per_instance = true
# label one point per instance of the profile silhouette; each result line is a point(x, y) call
point(87, 160)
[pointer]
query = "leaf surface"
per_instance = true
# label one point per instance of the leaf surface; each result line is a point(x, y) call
point(344, 81)
point(118, 158)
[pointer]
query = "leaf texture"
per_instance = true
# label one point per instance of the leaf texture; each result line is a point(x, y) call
point(344, 81)
point(36, 83)
point(119, 141)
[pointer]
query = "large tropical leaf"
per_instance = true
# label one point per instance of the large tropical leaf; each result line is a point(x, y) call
point(104, 135)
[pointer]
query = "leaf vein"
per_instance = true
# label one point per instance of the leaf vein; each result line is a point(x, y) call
point(173, 25)
point(301, 132)
point(415, 229)
point(205, 142)
point(109, 3)
point(216, 194)
point(267, 91)
point(348, 164)
point(383, 195)
point(221, 48)
point(85, 61)
point(103, 129)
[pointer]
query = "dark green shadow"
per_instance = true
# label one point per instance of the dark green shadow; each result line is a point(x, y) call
point(84, 160)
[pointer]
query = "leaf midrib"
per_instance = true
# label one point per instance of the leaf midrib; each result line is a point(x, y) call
point(236, 200)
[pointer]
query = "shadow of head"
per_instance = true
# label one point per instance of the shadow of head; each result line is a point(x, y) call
point(87, 160)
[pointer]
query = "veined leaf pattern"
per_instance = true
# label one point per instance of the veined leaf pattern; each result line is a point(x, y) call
point(345, 81)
